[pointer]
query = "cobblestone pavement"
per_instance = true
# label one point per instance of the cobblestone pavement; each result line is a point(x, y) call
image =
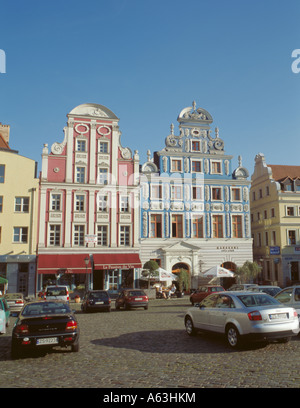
point(149, 348)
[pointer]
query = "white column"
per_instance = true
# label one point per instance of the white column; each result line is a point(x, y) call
point(42, 221)
point(68, 223)
point(92, 152)
point(69, 159)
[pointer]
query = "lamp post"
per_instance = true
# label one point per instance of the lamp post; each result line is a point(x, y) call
point(86, 261)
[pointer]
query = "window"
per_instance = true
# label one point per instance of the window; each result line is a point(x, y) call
point(80, 174)
point(81, 145)
point(124, 235)
point(102, 203)
point(217, 225)
point(176, 165)
point(260, 193)
point(195, 146)
point(259, 239)
point(290, 211)
point(124, 204)
point(156, 191)
point(237, 231)
point(2, 173)
point(273, 238)
point(20, 235)
point(216, 167)
point(156, 226)
point(78, 235)
point(196, 166)
point(1, 204)
point(265, 214)
point(266, 238)
point(216, 193)
point(267, 190)
point(253, 196)
point(198, 227)
point(79, 202)
point(236, 194)
point(54, 235)
point(197, 193)
point(55, 202)
point(102, 235)
point(103, 176)
point(103, 147)
point(22, 204)
point(272, 212)
point(177, 231)
point(291, 237)
point(176, 192)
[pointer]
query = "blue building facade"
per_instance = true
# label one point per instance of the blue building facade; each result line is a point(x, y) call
point(194, 205)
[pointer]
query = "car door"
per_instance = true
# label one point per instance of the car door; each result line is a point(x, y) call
point(296, 301)
point(219, 313)
point(202, 313)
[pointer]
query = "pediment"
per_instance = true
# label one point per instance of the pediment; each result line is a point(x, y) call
point(180, 247)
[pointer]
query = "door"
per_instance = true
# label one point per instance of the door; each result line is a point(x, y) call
point(98, 279)
point(202, 315)
point(219, 313)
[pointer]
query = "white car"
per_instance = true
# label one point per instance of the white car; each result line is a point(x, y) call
point(290, 297)
point(243, 315)
point(58, 292)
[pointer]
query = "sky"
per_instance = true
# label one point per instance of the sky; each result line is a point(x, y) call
point(148, 60)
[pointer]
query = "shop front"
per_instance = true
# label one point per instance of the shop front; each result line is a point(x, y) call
point(113, 271)
point(73, 270)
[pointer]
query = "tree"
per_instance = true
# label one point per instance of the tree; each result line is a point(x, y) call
point(183, 280)
point(248, 272)
point(150, 270)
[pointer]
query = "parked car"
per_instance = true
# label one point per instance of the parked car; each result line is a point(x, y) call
point(96, 300)
point(290, 297)
point(44, 325)
point(132, 298)
point(59, 292)
point(15, 301)
point(243, 315)
point(270, 290)
point(204, 291)
point(4, 315)
point(242, 286)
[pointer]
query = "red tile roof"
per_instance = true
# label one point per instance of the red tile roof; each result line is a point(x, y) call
point(281, 172)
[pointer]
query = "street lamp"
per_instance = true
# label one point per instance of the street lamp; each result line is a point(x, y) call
point(86, 261)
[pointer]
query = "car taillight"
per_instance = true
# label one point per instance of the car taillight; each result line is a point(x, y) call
point(71, 325)
point(19, 301)
point(22, 329)
point(254, 315)
point(295, 313)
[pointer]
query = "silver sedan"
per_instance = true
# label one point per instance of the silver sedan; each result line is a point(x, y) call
point(243, 315)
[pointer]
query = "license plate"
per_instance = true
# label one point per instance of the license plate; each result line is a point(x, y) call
point(11, 303)
point(99, 303)
point(138, 299)
point(49, 340)
point(278, 316)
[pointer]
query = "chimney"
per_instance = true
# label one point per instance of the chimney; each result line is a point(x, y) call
point(4, 131)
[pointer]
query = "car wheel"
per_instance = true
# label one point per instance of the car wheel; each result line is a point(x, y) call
point(189, 327)
point(233, 336)
point(146, 307)
point(108, 309)
point(117, 307)
point(75, 348)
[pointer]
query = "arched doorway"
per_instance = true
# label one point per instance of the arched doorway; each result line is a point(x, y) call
point(183, 287)
point(227, 282)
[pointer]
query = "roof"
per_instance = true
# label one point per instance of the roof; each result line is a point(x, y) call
point(281, 172)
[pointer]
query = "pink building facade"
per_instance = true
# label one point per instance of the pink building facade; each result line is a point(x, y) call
point(89, 205)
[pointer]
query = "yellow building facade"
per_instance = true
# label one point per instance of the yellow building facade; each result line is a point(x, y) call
point(275, 221)
point(18, 218)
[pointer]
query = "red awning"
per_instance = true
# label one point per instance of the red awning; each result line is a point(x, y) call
point(117, 261)
point(63, 263)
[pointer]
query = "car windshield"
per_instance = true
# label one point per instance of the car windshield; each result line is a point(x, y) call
point(136, 293)
point(257, 300)
point(98, 295)
point(56, 291)
point(36, 309)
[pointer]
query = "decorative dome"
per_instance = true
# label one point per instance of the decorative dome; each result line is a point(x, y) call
point(94, 110)
point(191, 114)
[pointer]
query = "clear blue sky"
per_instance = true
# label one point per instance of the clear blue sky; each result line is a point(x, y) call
point(146, 61)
